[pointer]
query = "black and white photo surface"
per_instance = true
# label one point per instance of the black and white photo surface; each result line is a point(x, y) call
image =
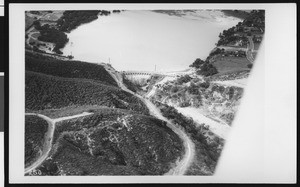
point(135, 91)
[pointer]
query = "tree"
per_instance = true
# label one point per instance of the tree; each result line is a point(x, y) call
point(37, 25)
point(193, 89)
point(184, 79)
point(207, 70)
point(204, 85)
point(197, 63)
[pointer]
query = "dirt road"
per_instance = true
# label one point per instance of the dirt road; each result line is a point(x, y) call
point(47, 143)
point(49, 136)
point(182, 165)
point(250, 49)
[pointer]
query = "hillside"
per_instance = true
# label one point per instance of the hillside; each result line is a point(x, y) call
point(116, 137)
point(112, 142)
point(50, 92)
point(53, 25)
point(108, 124)
point(219, 100)
point(67, 69)
point(204, 100)
point(35, 129)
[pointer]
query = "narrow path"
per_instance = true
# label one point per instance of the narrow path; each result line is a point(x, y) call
point(49, 136)
point(72, 117)
point(250, 49)
point(182, 165)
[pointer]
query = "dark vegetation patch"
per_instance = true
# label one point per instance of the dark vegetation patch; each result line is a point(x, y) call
point(51, 34)
point(208, 151)
point(71, 19)
point(204, 67)
point(35, 129)
point(253, 23)
point(113, 142)
point(67, 69)
point(48, 92)
point(68, 21)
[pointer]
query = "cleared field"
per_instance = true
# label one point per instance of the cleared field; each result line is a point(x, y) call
point(231, 64)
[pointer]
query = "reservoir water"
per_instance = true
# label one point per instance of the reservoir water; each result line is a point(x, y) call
point(139, 40)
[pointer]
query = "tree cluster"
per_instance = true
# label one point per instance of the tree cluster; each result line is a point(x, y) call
point(72, 19)
point(51, 34)
point(207, 69)
point(197, 63)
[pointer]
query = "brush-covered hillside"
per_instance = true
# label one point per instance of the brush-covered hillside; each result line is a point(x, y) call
point(100, 129)
point(35, 130)
point(112, 142)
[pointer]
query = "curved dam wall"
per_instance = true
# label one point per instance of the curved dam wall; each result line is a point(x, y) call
point(139, 79)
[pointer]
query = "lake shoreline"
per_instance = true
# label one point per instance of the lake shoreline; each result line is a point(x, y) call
point(122, 48)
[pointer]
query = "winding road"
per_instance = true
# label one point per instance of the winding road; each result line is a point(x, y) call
point(47, 142)
point(182, 165)
point(250, 49)
point(49, 136)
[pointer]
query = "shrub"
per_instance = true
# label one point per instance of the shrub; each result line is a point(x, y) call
point(207, 70)
point(250, 66)
point(174, 89)
point(184, 79)
point(204, 85)
point(197, 63)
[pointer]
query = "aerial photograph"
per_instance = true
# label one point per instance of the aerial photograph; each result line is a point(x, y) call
point(134, 92)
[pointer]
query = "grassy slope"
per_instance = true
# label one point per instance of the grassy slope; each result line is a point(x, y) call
point(231, 64)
